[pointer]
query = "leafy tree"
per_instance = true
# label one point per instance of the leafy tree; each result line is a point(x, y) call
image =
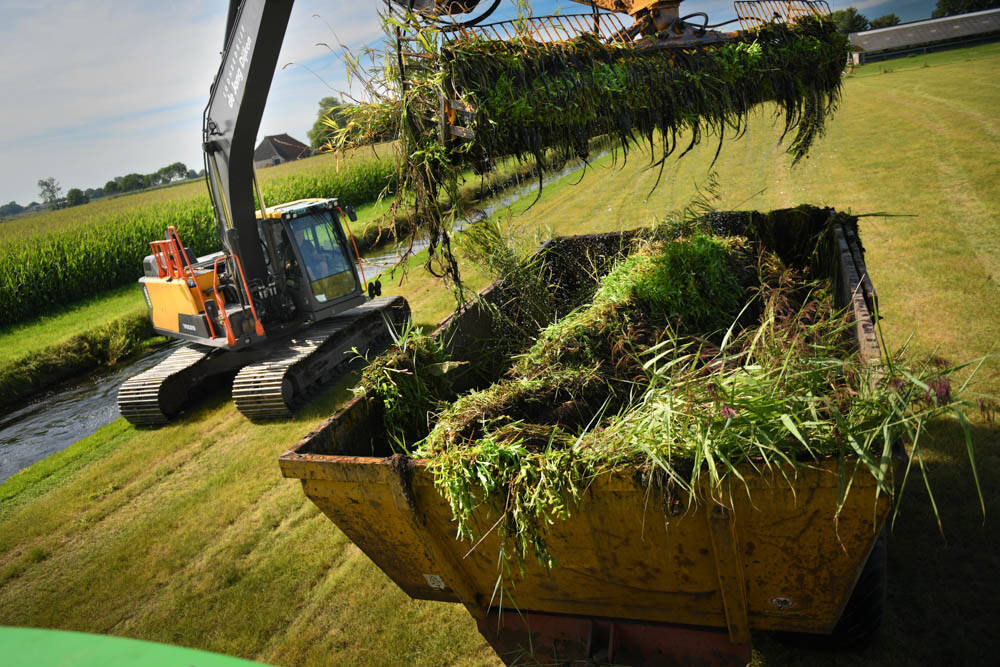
point(111, 187)
point(886, 21)
point(192, 174)
point(49, 190)
point(850, 20)
point(328, 121)
point(132, 182)
point(951, 7)
point(12, 208)
point(177, 170)
point(75, 197)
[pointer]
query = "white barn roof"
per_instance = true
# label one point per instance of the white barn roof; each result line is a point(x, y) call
point(932, 30)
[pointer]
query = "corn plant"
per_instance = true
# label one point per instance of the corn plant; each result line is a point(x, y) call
point(42, 273)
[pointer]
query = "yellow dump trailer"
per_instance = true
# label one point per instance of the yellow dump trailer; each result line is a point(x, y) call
point(640, 579)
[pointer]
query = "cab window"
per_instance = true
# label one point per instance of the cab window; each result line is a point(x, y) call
point(327, 265)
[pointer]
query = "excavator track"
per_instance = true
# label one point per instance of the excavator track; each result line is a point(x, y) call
point(308, 362)
point(147, 400)
point(273, 379)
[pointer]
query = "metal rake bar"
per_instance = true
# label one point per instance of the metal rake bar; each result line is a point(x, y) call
point(547, 30)
point(752, 13)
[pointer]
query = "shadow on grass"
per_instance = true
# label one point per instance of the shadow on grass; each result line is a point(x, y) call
point(943, 589)
point(216, 392)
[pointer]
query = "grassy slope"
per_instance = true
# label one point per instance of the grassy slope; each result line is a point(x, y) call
point(22, 339)
point(189, 535)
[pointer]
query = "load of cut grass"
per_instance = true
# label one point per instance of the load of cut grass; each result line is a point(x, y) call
point(698, 359)
point(532, 98)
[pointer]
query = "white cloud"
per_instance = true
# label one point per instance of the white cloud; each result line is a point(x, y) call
point(98, 89)
point(76, 63)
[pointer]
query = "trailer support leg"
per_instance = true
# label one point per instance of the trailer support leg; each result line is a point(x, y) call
point(729, 567)
point(526, 637)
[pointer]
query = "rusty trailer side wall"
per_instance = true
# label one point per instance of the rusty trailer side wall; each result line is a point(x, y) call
point(777, 562)
point(776, 559)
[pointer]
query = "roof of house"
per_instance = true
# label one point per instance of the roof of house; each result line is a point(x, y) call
point(280, 146)
point(931, 30)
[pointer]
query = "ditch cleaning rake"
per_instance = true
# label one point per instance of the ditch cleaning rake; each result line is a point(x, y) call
point(657, 24)
point(660, 19)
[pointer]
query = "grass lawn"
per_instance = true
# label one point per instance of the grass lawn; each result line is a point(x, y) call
point(188, 534)
point(21, 339)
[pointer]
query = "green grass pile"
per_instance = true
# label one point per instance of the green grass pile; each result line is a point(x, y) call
point(697, 359)
point(589, 358)
point(409, 380)
point(530, 96)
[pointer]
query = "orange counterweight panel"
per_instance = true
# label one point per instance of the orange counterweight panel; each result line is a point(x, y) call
point(170, 298)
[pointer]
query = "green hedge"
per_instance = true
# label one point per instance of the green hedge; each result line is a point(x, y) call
point(103, 346)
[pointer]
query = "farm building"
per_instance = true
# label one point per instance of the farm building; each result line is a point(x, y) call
point(925, 36)
point(278, 148)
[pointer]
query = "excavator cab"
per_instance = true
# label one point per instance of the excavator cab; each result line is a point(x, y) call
point(318, 267)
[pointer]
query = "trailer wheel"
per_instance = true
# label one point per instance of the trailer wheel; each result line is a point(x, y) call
point(862, 616)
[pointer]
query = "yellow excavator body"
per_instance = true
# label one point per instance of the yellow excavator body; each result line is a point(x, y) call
point(275, 212)
point(168, 299)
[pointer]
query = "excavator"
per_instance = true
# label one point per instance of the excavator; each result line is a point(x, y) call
point(282, 305)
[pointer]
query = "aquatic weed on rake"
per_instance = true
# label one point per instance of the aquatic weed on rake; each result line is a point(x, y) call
point(471, 101)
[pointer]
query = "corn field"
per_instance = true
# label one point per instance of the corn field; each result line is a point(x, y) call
point(40, 273)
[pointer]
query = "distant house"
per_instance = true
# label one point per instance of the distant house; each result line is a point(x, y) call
point(278, 148)
point(925, 36)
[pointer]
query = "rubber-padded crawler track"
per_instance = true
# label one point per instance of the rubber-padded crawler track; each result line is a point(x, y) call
point(275, 378)
point(310, 361)
point(142, 399)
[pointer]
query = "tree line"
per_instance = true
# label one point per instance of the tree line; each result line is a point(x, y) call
point(177, 171)
point(851, 20)
point(51, 194)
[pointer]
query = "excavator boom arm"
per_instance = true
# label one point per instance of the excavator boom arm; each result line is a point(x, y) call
point(255, 30)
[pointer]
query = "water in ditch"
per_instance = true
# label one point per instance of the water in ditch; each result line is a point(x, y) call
point(56, 420)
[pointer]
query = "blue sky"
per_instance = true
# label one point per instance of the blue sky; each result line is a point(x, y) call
point(96, 89)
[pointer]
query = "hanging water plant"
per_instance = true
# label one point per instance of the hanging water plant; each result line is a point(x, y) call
point(546, 101)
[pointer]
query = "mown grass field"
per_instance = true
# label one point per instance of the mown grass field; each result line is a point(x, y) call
point(188, 534)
